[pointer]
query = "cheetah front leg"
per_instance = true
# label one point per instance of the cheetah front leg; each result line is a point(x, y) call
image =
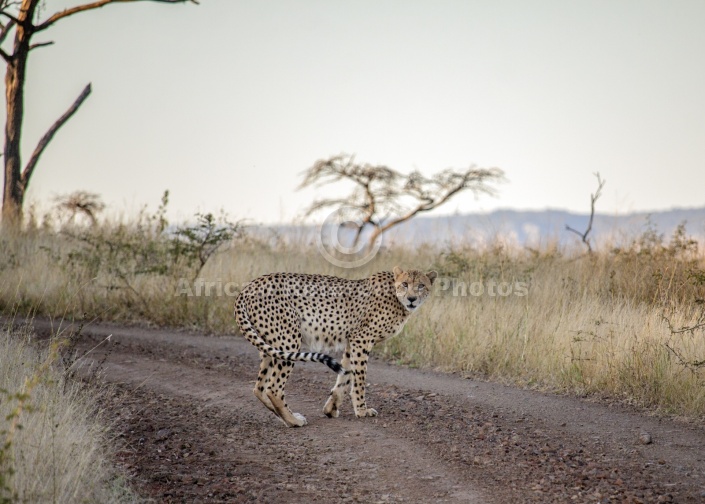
point(358, 359)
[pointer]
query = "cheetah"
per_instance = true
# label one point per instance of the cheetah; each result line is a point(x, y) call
point(279, 312)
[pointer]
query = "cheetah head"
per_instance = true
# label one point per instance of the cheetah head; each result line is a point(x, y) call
point(413, 286)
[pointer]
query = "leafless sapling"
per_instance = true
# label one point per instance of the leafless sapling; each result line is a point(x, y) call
point(593, 198)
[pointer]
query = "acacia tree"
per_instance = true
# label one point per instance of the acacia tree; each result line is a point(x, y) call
point(80, 204)
point(22, 18)
point(383, 198)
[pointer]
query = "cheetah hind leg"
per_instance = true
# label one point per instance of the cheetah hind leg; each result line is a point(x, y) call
point(266, 367)
point(342, 383)
point(280, 373)
point(263, 385)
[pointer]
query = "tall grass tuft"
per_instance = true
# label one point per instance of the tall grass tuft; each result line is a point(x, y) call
point(54, 447)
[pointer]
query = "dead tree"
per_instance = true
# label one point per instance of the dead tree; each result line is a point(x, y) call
point(383, 198)
point(22, 18)
point(593, 198)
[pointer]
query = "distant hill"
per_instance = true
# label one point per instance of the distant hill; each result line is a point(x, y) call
point(531, 228)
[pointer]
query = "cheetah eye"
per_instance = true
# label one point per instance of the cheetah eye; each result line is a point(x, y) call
point(422, 286)
point(404, 285)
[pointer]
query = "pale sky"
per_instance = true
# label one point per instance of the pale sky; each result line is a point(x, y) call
point(226, 103)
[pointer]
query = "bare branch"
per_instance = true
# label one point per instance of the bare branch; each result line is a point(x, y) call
point(342, 167)
point(44, 141)
point(6, 30)
point(376, 187)
point(434, 192)
point(593, 198)
point(12, 18)
point(699, 324)
point(41, 44)
point(583, 237)
point(3, 35)
point(693, 365)
point(326, 203)
point(95, 5)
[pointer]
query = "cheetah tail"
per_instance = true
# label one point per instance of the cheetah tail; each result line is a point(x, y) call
point(250, 333)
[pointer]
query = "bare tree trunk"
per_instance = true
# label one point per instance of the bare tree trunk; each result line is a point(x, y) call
point(14, 189)
point(15, 185)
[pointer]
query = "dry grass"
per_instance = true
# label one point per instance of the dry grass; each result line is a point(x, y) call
point(588, 324)
point(573, 331)
point(54, 446)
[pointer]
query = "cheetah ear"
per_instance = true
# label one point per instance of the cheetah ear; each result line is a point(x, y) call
point(397, 271)
point(432, 276)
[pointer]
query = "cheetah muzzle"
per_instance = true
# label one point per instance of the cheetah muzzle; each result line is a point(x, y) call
point(279, 313)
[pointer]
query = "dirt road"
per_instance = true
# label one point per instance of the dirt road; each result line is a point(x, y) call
point(193, 432)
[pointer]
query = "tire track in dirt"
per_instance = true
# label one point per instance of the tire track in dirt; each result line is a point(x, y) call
point(185, 407)
point(358, 453)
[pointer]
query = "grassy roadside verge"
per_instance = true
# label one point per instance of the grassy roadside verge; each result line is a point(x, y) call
point(625, 322)
point(54, 443)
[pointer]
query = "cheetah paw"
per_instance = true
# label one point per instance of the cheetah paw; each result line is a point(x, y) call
point(331, 409)
point(366, 412)
point(301, 420)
